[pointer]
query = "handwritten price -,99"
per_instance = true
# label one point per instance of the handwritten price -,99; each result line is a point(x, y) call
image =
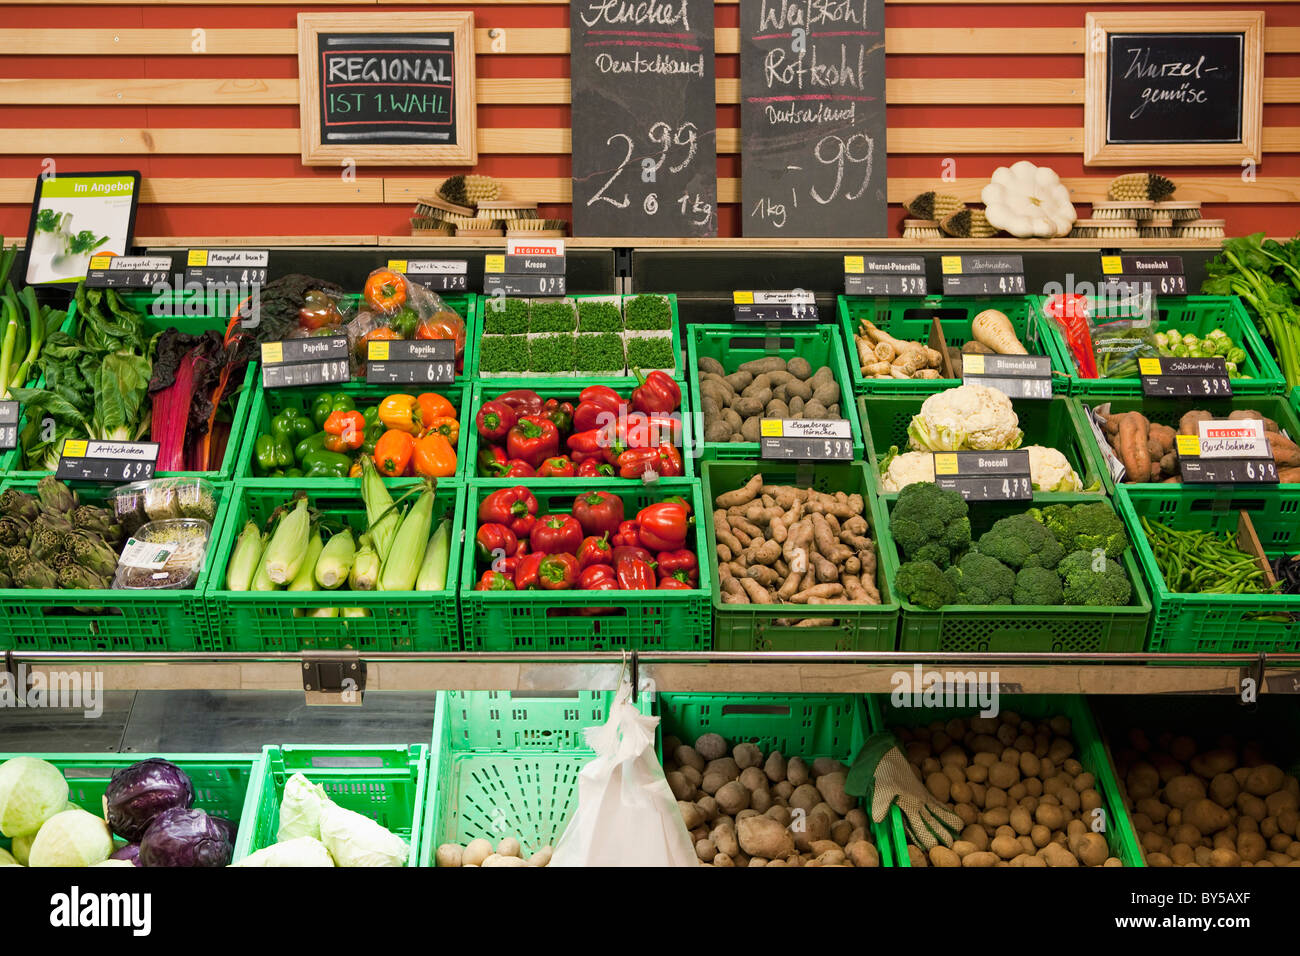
point(848, 156)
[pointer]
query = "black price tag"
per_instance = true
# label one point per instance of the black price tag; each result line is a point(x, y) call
point(885, 275)
point(498, 284)
point(1151, 285)
point(983, 275)
point(985, 475)
point(310, 361)
point(822, 440)
point(431, 362)
point(210, 267)
point(127, 272)
point(111, 461)
point(1016, 376)
point(9, 412)
point(775, 307)
point(1008, 284)
point(438, 275)
point(1227, 452)
point(1142, 265)
point(1184, 377)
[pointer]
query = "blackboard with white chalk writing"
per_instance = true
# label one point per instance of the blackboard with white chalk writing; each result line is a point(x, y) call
point(644, 122)
point(812, 89)
point(1174, 87)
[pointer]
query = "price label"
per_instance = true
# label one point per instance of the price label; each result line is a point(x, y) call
point(1007, 284)
point(294, 363)
point(775, 307)
point(983, 275)
point(1227, 452)
point(9, 412)
point(501, 284)
point(227, 266)
point(127, 272)
point(1150, 285)
point(440, 275)
point(985, 475)
point(431, 362)
point(110, 461)
point(1142, 265)
point(1016, 376)
point(885, 275)
point(1167, 376)
point(823, 440)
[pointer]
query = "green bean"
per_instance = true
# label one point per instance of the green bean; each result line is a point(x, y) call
point(1202, 562)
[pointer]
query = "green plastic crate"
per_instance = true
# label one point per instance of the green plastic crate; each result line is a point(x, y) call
point(47, 619)
point(1217, 623)
point(508, 380)
point(1198, 314)
point(963, 628)
point(753, 627)
point(1056, 423)
point(269, 402)
point(387, 784)
point(1168, 411)
point(506, 764)
point(798, 725)
point(548, 620)
point(269, 621)
point(734, 345)
point(911, 319)
point(1090, 750)
point(487, 390)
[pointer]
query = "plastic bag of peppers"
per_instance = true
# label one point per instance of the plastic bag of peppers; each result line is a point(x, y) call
point(405, 435)
point(601, 435)
point(595, 547)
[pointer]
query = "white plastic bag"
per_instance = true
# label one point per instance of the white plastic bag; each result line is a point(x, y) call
point(627, 815)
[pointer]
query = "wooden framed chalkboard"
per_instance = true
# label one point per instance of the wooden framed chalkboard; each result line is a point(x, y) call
point(387, 90)
point(1180, 88)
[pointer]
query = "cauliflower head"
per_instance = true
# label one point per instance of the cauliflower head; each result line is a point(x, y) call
point(966, 418)
point(906, 469)
point(1050, 471)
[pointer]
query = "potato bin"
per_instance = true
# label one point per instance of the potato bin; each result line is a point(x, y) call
point(910, 320)
point(733, 346)
point(771, 627)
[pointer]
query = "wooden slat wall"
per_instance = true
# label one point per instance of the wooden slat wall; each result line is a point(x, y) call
point(215, 133)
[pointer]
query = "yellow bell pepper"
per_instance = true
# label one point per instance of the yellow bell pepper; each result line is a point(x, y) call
point(399, 412)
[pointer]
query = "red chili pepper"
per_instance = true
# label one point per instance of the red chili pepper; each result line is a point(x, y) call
point(664, 525)
point(665, 461)
point(492, 461)
point(494, 420)
point(598, 405)
point(524, 401)
point(494, 581)
point(671, 562)
point(634, 574)
point(599, 512)
point(560, 413)
point(556, 534)
point(621, 551)
point(629, 535)
point(533, 439)
point(507, 504)
point(673, 583)
point(526, 572)
point(558, 467)
point(594, 550)
point(558, 572)
point(494, 541)
point(656, 393)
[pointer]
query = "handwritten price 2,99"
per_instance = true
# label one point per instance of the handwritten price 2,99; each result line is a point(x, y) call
point(685, 139)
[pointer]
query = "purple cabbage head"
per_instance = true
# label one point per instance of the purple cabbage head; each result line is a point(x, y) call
point(186, 838)
point(137, 794)
point(129, 852)
point(230, 829)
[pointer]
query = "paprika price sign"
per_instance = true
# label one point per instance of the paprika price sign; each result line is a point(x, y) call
point(307, 361)
point(440, 275)
point(1227, 452)
point(421, 362)
point(985, 476)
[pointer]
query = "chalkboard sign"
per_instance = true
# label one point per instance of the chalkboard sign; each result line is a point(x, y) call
point(1173, 88)
point(644, 122)
point(386, 90)
point(812, 90)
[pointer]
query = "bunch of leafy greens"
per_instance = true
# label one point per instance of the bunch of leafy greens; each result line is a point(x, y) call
point(24, 326)
point(1266, 274)
point(96, 381)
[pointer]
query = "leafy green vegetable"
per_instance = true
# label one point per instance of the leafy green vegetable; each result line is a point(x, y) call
point(552, 353)
point(505, 316)
point(596, 316)
point(1266, 274)
point(47, 220)
point(503, 353)
point(552, 316)
point(84, 241)
point(650, 353)
point(651, 312)
point(602, 352)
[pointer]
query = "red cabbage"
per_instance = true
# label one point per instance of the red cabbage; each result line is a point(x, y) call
point(129, 852)
point(138, 793)
point(186, 838)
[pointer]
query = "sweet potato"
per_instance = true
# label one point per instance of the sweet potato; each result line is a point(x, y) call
point(1131, 446)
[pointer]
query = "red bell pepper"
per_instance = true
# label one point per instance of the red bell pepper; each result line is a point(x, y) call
point(621, 551)
point(656, 393)
point(524, 401)
point(507, 566)
point(534, 438)
point(594, 550)
point(558, 467)
point(672, 583)
point(595, 468)
point(671, 562)
point(593, 443)
point(598, 405)
point(664, 525)
point(494, 581)
point(599, 512)
point(523, 527)
point(526, 572)
point(556, 534)
point(634, 574)
point(558, 572)
point(639, 430)
point(492, 461)
point(495, 541)
point(506, 505)
point(665, 461)
point(494, 421)
point(628, 535)
point(560, 413)
point(517, 468)
point(591, 578)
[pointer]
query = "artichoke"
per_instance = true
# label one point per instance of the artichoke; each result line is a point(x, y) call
point(90, 551)
point(15, 529)
point(55, 495)
point(14, 557)
point(76, 577)
point(46, 544)
point(91, 518)
point(19, 504)
point(35, 574)
point(5, 580)
point(53, 522)
point(62, 560)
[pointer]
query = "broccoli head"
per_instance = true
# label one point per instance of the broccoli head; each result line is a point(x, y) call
point(1091, 578)
point(1038, 586)
point(980, 579)
point(1021, 542)
point(922, 583)
point(1084, 527)
point(929, 524)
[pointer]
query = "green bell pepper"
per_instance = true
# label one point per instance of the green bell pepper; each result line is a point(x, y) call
point(326, 464)
point(308, 445)
point(374, 431)
point(293, 425)
point(293, 473)
point(328, 402)
point(405, 322)
point(264, 453)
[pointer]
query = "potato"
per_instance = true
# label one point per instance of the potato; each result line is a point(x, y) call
point(1003, 774)
point(509, 847)
point(723, 859)
point(1184, 790)
point(1056, 855)
point(979, 859)
point(724, 838)
point(1251, 847)
point(1209, 765)
point(1224, 789)
point(477, 851)
point(774, 767)
point(764, 837)
point(713, 781)
point(941, 856)
point(1021, 821)
point(780, 814)
point(796, 771)
point(964, 848)
point(689, 757)
point(542, 857)
point(831, 787)
point(976, 836)
point(747, 755)
point(753, 778)
point(1006, 847)
point(711, 747)
point(1142, 781)
point(1092, 849)
point(682, 790)
point(1206, 815)
point(940, 786)
point(862, 853)
point(1049, 816)
point(805, 797)
point(733, 797)
point(1225, 858)
point(692, 816)
point(449, 854)
point(760, 801)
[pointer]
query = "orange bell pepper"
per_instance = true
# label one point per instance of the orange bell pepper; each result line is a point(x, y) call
point(393, 452)
point(385, 290)
point(432, 405)
point(345, 431)
point(448, 428)
point(355, 470)
point(434, 457)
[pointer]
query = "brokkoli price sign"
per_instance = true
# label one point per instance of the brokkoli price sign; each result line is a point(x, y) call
point(1227, 452)
point(985, 475)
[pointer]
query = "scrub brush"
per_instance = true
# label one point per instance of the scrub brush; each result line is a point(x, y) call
point(921, 229)
point(933, 205)
point(967, 224)
point(1141, 186)
point(469, 190)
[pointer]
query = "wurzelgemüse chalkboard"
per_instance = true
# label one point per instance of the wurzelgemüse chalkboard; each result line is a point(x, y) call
point(380, 90)
point(644, 120)
point(812, 89)
point(1173, 88)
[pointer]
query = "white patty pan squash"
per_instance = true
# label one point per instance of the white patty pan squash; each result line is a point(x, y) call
point(1028, 201)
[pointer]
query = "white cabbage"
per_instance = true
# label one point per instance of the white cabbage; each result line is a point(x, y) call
point(303, 851)
point(300, 809)
point(22, 848)
point(355, 840)
point(72, 838)
point(7, 858)
point(31, 791)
